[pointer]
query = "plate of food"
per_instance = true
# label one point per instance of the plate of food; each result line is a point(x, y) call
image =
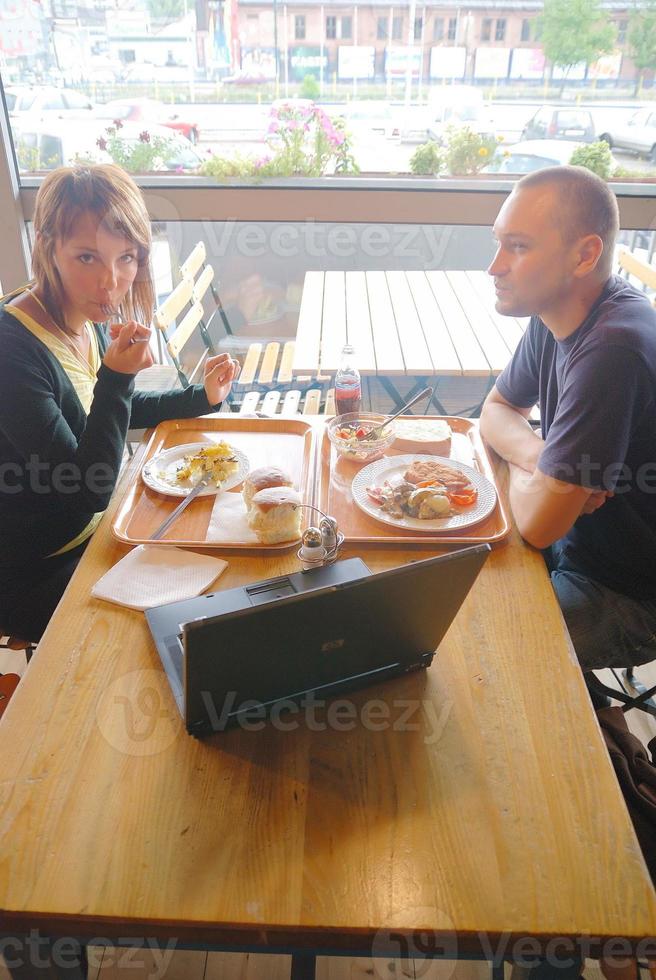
point(423, 493)
point(177, 470)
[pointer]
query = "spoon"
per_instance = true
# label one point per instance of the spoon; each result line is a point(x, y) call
point(376, 431)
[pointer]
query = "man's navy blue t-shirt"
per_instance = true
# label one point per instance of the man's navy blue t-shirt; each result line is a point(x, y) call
point(597, 396)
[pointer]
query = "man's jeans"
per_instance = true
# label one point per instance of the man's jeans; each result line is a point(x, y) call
point(608, 629)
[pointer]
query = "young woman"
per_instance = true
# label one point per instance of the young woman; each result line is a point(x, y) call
point(67, 395)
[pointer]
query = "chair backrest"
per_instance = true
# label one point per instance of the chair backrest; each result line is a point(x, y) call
point(639, 269)
point(182, 318)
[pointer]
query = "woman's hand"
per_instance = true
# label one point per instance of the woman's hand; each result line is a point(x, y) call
point(220, 371)
point(129, 351)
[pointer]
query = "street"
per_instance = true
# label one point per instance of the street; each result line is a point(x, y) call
point(230, 129)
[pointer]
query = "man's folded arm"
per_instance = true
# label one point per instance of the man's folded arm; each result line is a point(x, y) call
point(507, 429)
point(544, 508)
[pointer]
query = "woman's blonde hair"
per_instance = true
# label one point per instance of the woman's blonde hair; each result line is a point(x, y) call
point(110, 194)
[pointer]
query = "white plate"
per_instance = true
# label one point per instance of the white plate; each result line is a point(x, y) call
point(393, 467)
point(159, 473)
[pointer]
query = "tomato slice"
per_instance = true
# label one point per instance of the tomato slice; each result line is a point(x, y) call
point(463, 499)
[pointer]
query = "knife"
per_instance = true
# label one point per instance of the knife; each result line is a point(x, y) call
point(172, 518)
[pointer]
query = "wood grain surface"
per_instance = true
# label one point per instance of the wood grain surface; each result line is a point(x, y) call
point(474, 800)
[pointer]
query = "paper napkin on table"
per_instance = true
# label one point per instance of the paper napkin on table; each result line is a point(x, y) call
point(151, 575)
point(228, 521)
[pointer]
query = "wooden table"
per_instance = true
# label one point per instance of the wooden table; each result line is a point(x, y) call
point(424, 325)
point(489, 812)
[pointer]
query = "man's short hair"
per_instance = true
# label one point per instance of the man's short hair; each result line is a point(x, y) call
point(588, 206)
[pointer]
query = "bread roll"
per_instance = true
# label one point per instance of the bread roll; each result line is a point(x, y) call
point(275, 515)
point(261, 479)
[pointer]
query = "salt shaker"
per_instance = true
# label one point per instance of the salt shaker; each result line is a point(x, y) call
point(312, 551)
point(328, 527)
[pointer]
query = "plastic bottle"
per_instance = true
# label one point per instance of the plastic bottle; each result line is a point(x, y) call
point(348, 390)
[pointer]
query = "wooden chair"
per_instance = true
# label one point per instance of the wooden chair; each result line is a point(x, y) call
point(632, 265)
point(266, 384)
point(184, 326)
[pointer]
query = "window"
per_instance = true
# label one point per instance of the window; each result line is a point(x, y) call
point(331, 28)
point(500, 33)
point(299, 27)
point(397, 28)
point(381, 28)
point(347, 27)
point(526, 30)
point(453, 25)
point(438, 29)
point(622, 26)
point(486, 29)
point(419, 26)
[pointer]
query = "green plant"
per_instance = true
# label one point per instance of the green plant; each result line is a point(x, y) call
point(467, 152)
point(310, 87)
point(427, 159)
point(595, 157)
point(146, 153)
point(302, 142)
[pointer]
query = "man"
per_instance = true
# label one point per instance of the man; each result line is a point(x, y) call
point(585, 490)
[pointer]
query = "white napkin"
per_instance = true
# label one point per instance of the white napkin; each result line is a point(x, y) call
point(228, 521)
point(151, 575)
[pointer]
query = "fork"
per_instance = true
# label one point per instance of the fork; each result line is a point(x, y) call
point(109, 312)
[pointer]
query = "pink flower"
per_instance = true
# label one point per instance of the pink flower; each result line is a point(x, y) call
point(144, 136)
point(101, 143)
point(118, 124)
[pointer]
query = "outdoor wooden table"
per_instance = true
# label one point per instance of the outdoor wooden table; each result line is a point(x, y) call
point(422, 325)
point(457, 810)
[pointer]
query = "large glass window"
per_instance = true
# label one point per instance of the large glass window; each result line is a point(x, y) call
point(239, 92)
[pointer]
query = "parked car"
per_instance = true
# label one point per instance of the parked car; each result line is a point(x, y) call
point(457, 105)
point(45, 147)
point(530, 155)
point(560, 123)
point(638, 133)
point(149, 112)
point(363, 117)
point(47, 102)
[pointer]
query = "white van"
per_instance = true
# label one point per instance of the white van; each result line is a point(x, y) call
point(458, 105)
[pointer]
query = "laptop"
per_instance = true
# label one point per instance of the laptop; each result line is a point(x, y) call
point(231, 654)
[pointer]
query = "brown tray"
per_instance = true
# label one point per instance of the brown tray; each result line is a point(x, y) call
point(335, 475)
point(265, 441)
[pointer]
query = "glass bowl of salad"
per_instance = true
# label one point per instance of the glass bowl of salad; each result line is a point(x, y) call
point(348, 434)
